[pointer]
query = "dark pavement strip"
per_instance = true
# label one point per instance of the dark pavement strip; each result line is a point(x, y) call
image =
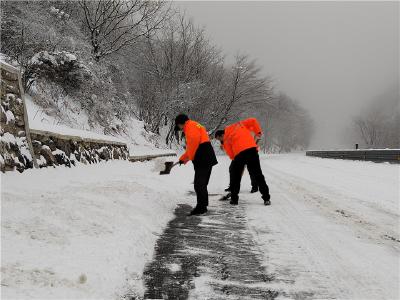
point(217, 247)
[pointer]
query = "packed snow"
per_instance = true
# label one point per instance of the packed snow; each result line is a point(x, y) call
point(87, 232)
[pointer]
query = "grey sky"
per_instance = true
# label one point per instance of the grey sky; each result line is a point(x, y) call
point(333, 57)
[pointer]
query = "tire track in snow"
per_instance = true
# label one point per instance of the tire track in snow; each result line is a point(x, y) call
point(381, 232)
point(330, 259)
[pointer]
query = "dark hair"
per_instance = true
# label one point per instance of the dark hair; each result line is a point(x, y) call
point(181, 119)
point(219, 133)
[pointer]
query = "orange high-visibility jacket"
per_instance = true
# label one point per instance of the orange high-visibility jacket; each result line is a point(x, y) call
point(238, 137)
point(195, 135)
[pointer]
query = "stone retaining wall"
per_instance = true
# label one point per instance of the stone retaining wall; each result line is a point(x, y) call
point(22, 148)
point(15, 152)
point(55, 150)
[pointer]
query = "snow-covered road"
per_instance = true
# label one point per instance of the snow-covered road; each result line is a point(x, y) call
point(332, 230)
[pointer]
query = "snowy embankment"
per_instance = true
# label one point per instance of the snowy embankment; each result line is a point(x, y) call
point(333, 228)
point(84, 232)
point(76, 133)
point(39, 120)
point(134, 134)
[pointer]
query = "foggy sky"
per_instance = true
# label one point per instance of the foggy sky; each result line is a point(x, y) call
point(333, 57)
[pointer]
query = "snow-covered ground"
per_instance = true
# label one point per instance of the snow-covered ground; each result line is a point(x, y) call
point(83, 232)
point(333, 228)
point(87, 232)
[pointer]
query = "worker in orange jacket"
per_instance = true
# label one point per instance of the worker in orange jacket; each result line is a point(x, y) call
point(253, 181)
point(240, 145)
point(200, 151)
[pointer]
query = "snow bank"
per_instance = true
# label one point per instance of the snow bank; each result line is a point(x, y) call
point(135, 135)
point(139, 140)
point(63, 130)
point(39, 120)
point(84, 232)
point(136, 150)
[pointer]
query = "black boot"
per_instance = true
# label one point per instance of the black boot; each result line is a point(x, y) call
point(226, 197)
point(267, 200)
point(254, 189)
point(234, 201)
point(198, 211)
point(228, 189)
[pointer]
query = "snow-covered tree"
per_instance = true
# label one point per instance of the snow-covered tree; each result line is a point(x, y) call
point(115, 24)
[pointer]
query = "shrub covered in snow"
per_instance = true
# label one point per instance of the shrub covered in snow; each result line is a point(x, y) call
point(62, 67)
point(59, 13)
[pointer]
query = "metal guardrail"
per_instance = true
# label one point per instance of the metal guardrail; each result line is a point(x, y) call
point(392, 156)
point(135, 158)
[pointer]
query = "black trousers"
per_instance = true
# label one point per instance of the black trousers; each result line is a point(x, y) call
point(254, 183)
point(253, 180)
point(250, 159)
point(201, 178)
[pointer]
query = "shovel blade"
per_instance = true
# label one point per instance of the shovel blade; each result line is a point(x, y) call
point(168, 167)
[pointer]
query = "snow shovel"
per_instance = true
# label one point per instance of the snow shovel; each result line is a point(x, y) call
point(168, 166)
